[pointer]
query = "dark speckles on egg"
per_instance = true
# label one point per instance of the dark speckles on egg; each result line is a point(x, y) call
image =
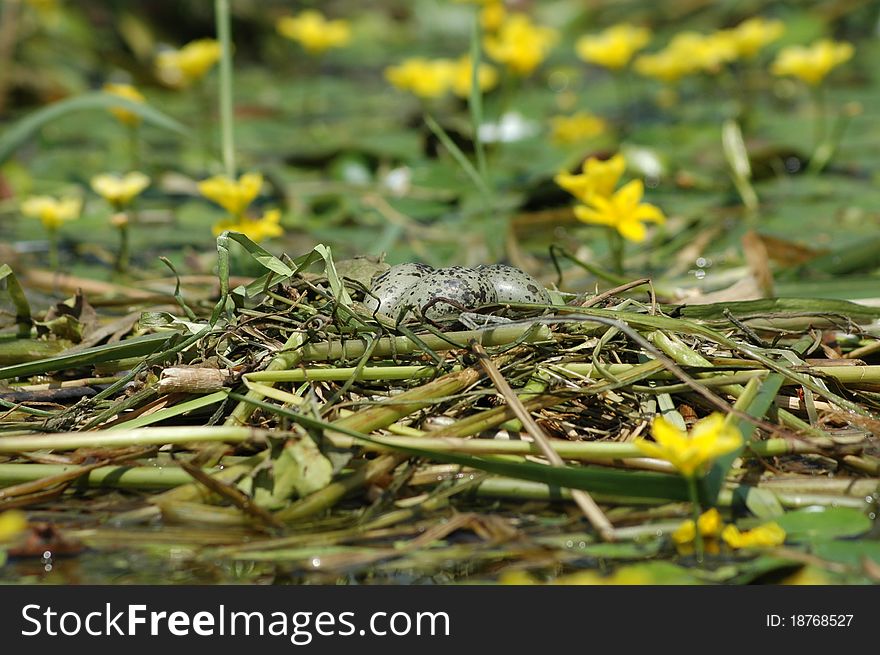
point(443, 293)
point(389, 287)
point(465, 288)
point(513, 285)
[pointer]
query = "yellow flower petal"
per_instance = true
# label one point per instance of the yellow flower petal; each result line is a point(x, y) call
point(52, 212)
point(768, 535)
point(520, 44)
point(128, 92)
point(577, 127)
point(254, 229)
point(629, 195)
point(233, 195)
point(812, 64)
point(613, 48)
point(12, 524)
point(753, 34)
point(689, 453)
point(425, 78)
point(314, 32)
point(648, 212)
point(685, 533)
point(605, 174)
point(632, 231)
point(462, 77)
point(587, 215)
point(180, 68)
point(119, 191)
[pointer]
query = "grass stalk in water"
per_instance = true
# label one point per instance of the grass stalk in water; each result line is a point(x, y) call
point(224, 36)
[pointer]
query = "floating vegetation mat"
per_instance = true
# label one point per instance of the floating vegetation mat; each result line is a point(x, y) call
point(273, 430)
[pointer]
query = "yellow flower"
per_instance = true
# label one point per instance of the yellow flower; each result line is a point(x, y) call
point(710, 438)
point(667, 65)
point(254, 229)
point(614, 47)
point(710, 525)
point(519, 44)
point(128, 92)
point(808, 575)
point(598, 178)
point(180, 68)
point(492, 15)
point(314, 32)
point(12, 524)
point(707, 52)
point(753, 34)
point(719, 48)
point(812, 64)
point(764, 536)
point(462, 76)
point(53, 212)
point(426, 78)
point(577, 127)
point(625, 575)
point(624, 211)
point(119, 191)
point(43, 5)
point(234, 196)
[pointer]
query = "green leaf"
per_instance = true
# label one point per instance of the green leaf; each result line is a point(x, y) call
point(260, 254)
point(819, 523)
point(26, 127)
point(623, 550)
point(848, 552)
point(301, 469)
point(665, 573)
point(336, 286)
point(749, 571)
point(763, 503)
point(19, 300)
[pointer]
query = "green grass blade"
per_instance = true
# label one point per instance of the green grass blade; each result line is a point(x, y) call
point(458, 155)
point(26, 127)
point(475, 100)
point(639, 484)
point(135, 347)
point(759, 406)
point(171, 412)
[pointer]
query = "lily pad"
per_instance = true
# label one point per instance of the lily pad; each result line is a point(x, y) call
point(848, 552)
point(818, 523)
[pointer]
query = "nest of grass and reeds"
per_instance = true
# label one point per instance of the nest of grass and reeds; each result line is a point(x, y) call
point(279, 424)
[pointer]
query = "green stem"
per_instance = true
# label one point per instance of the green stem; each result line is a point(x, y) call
point(615, 246)
point(695, 510)
point(821, 109)
point(475, 99)
point(205, 107)
point(224, 35)
point(134, 147)
point(624, 100)
point(53, 248)
point(826, 150)
point(175, 435)
point(123, 255)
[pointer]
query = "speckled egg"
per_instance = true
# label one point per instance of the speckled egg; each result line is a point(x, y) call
point(466, 287)
point(513, 285)
point(389, 287)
